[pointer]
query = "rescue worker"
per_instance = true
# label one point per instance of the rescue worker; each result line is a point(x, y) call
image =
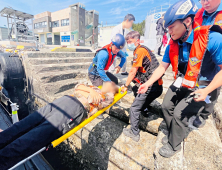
point(144, 64)
point(208, 12)
point(123, 29)
point(195, 53)
point(103, 59)
point(206, 16)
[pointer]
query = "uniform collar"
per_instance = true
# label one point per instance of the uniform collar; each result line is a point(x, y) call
point(189, 39)
point(205, 14)
point(136, 48)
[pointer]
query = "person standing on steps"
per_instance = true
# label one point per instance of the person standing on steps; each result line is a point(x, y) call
point(144, 64)
point(195, 53)
point(123, 29)
point(159, 35)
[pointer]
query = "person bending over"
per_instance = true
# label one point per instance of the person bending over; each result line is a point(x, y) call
point(104, 57)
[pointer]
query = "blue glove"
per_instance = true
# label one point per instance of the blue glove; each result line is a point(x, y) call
point(126, 54)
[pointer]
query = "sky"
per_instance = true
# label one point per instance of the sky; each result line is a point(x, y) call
point(110, 11)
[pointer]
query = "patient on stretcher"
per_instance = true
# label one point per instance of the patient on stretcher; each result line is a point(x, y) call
point(52, 121)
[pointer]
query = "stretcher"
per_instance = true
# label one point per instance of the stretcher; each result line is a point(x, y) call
point(56, 142)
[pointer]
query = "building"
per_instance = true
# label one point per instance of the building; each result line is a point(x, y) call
point(3, 33)
point(105, 34)
point(70, 26)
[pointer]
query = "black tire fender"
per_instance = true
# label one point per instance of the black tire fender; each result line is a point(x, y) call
point(11, 71)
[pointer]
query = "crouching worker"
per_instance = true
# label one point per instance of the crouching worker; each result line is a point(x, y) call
point(42, 127)
point(195, 53)
point(103, 60)
point(144, 64)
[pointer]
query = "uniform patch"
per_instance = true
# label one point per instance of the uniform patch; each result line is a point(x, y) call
point(192, 74)
point(135, 57)
point(184, 8)
point(219, 23)
point(195, 8)
point(188, 83)
point(194, 61)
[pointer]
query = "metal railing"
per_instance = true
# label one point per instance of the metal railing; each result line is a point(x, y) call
point(159, 9)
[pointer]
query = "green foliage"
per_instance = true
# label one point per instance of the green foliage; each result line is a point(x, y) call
point(140, 27)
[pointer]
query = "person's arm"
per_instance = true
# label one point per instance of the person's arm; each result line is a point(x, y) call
point(109, 97)
point(132, 75)
point(137, 63)
point(215, 49)
point(88, 91)
point(103, 57)
point(215, 83)
point(123, 60)
point(122, 55)
point(158, 73)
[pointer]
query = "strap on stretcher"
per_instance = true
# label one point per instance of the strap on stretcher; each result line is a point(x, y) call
point(117, 97)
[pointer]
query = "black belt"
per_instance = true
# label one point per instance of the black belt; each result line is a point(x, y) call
point(204, 83)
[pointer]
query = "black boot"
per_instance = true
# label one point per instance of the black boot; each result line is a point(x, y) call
point(199, 122)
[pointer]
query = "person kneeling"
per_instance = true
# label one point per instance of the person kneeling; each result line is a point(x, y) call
point(104, 58)
point(42, 127)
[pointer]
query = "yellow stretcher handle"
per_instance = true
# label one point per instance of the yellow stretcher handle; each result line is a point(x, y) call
point(117, 97)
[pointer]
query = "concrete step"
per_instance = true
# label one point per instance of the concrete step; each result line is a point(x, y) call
point(61, 67)
point(39, 61)
point(63, 75)
point(62, 86)
point(58, 54)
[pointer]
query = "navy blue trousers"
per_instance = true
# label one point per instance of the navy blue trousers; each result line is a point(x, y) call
point(39, 129)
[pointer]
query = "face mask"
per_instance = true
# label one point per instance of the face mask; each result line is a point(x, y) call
point(131, 47)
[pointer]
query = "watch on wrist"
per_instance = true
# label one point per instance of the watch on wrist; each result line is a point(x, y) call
point(126, 86)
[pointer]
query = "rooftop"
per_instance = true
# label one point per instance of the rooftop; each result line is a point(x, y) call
point(10, 12)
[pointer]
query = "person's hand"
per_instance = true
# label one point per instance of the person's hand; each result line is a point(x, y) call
point(202, 95)
point(95, 96)
point(143, 88)
point(123, 88)
point(117, 69)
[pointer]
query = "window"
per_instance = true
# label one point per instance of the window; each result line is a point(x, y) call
point(44, 24)
point(64, 22)
point(55, 23)
point(40, 25)
point(36, 25)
